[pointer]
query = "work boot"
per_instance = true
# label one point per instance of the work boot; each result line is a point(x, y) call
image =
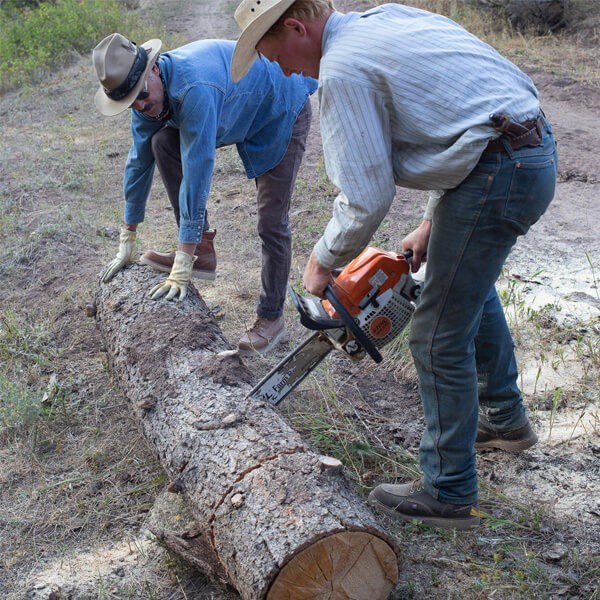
point(510, 441)
point(205, 265)
point(263, 336)
point(410, 502)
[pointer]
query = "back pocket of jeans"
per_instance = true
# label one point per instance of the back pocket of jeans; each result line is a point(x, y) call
point(531, 191)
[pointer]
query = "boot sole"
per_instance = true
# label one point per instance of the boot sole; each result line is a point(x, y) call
point(206, 275)
point(279, 338)
point(442, 522)
point(507, 445)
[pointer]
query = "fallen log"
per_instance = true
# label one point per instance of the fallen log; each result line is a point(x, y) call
point(270, 517)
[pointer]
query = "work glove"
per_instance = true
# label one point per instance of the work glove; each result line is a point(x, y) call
point(178, 280)
point(126, 254)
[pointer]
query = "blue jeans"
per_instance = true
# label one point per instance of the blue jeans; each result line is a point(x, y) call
point(461, 344)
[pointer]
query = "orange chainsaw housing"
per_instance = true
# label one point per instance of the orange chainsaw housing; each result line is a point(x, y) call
point(372, 268)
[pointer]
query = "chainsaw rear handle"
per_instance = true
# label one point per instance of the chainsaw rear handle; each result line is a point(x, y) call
point(349, 322)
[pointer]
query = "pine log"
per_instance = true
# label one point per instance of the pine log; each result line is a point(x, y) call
point(270, 517)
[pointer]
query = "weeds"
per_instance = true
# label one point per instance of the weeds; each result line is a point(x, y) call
point(335, 428)
point(571, 53)
point(93, 475)
point(49, 34)
point(19, 406)
point(595, 286)
point(34, 40)
point(22, 342)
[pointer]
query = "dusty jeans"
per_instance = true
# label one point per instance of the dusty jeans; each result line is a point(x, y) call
point(459, 338)
point(274, 193)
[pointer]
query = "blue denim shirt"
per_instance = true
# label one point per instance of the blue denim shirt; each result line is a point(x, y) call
point(257, 114)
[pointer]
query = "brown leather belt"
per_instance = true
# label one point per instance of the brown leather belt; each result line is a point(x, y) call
point(518, 135)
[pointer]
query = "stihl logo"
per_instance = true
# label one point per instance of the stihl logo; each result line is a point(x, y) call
point(380, 327)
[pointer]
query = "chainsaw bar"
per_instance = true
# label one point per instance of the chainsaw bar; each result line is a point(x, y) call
point(292, 369)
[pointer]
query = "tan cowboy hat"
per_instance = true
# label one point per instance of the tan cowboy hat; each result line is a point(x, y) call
point(122, 68)
point(255, 18)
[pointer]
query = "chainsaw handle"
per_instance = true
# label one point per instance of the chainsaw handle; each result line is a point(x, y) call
point(309, 321)
point(349, 321)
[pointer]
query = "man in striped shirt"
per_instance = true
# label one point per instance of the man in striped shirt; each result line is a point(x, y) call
point(409, 98)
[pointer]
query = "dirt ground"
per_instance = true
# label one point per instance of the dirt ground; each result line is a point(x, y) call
point(76, 498)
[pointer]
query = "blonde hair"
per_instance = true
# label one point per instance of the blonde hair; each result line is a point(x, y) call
point(303, 10)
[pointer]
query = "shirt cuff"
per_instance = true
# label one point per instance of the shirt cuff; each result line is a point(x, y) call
point(133, 213)
point(432, 202)
point(325, 258)
point(190, 232)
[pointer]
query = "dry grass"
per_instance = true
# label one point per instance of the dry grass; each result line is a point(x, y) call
point(571, 52)
point(77, 481)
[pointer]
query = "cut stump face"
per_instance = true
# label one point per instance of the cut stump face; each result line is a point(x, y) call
point(347, 565)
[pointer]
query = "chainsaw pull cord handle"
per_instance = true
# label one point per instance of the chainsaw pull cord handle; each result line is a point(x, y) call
point(349, 321)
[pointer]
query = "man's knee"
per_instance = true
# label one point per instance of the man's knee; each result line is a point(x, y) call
point(278, 237)
point(165, 141)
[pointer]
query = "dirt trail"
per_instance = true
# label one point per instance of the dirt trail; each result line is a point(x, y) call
point(50, 147)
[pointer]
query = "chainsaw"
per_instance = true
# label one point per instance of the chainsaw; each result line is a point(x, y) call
point(369, 303)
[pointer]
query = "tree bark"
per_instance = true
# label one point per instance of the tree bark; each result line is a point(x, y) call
point(271, 517)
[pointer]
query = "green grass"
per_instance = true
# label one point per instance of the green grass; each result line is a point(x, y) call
point(19, 406)
point(25, 351)
point(23, 342)
point(35, 40)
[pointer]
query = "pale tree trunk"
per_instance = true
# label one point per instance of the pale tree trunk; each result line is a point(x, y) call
point(270, 517)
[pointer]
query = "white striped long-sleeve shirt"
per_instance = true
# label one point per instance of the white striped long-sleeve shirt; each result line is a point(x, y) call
point(405, 99)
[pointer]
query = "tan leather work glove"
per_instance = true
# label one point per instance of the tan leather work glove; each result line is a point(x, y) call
point(126, 254)
point(178, 280)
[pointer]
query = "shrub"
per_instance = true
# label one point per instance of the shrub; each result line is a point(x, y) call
point(37, 37)
point(19, 406)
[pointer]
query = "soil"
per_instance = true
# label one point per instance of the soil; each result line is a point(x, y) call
point(76, 499)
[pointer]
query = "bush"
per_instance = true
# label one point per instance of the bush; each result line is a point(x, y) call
point(37, 37)
point(19, 407)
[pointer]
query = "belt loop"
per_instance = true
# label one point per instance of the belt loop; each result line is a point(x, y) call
point(506, 143)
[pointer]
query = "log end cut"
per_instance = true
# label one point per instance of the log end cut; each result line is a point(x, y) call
point(348, 564)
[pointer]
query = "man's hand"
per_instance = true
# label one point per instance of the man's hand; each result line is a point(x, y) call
point(125, 255)
point(178, 280)
point(316, 277)
point(417, 242)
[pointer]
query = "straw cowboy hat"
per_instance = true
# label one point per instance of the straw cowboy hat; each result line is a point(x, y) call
point(122, 68)
point(255, 18)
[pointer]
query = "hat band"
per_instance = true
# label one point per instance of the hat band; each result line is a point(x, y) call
point(139, 64)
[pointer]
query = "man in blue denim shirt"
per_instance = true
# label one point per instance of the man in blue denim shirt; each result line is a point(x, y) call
point(409, 98)
point(184, 107)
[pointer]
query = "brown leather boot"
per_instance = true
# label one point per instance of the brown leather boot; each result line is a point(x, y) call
point(263, 336)
point(205, 265)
